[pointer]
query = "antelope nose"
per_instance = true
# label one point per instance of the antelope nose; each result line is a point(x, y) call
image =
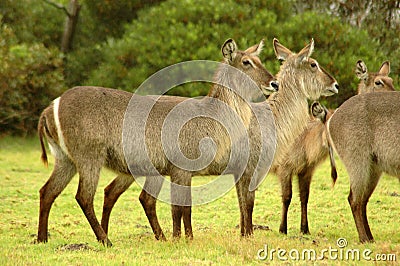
point(335, 88)
point(274, 84)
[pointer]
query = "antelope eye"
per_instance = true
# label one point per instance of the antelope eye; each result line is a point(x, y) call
point(246, 62)
point(378, 83)
point(313, 65)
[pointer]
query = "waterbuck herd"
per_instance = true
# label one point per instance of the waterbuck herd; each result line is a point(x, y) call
point(226, 134)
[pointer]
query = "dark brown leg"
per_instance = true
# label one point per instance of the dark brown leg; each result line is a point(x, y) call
point(149, 205)
point(366, 225)
point(286, 187)
point(181, 200)
point(356, 210)
point(242, 209)
point(62, 174)
point(152, 185)
point(176, 220)
point(246, 204)
point(361, 188)
point(374, 179)
point(187, 221)
point(304, 186)
point(88, 180)
point(240, 199)
point(187, 210)
point(249, 210)
point(111, 194)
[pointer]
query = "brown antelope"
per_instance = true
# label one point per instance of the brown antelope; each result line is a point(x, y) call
point(364, 133)
point(300, 78)
point(311, 148)
point(84, 129)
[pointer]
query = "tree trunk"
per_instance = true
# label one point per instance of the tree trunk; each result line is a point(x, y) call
point(70, 26)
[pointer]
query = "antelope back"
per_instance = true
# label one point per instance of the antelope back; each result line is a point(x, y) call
point(375, 81)
point(304, 72)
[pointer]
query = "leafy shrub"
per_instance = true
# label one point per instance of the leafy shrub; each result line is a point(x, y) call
point(110, 16)
point(192, 30)
point(33, 21)
point(188, 30)
point(338, 46)
point(30, 76)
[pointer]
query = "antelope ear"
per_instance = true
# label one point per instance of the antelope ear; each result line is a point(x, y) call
point(306, 52)
point(229, 50)
point(319, 111)
point(385, 69)
point(255, 50)
point(361, 70)
point(281, 51)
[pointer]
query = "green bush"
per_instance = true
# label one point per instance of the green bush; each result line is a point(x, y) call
point(30, 76)
point(33, 21)
point(192, 30)
point(338, 46)
point(109, 17)
point(174, 32)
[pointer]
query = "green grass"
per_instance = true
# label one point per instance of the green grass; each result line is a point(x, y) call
point(216, 236)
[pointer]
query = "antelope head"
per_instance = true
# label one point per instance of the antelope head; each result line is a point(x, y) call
point(308, 75)
point(248, 61)
point(374, 82)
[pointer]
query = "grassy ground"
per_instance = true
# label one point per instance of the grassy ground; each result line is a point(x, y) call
point(216, 235)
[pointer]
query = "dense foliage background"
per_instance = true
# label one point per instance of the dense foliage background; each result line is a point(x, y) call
point(120, 43)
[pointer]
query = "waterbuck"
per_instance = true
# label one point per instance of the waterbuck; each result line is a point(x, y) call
point(312, 148)
point(84, 129)
point(364, 133)
point(302, 78)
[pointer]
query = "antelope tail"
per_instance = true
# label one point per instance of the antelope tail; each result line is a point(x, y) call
point(333, 164)
point(331, 155)
point(41, 129)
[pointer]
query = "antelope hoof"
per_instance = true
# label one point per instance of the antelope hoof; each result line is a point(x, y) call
point(38, 241)
point(161, 237)
point(364, 241)
point(247, 235)
point(176, 236)
point(304, 229)
point(106, 242)
point(305, 232)
point(283, 231)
